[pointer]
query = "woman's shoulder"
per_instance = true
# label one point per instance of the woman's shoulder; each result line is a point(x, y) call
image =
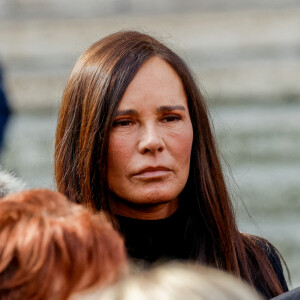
point(273, 255)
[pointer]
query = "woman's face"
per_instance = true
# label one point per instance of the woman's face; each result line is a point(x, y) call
point(150, 143)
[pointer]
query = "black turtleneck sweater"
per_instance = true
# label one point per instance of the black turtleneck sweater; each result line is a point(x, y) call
point(152, 240)
point(165, 239)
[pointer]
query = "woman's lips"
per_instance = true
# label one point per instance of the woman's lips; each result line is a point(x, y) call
point(152, 173)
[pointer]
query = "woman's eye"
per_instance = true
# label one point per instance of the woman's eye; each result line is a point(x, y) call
point(171, 118)
point(122, 123)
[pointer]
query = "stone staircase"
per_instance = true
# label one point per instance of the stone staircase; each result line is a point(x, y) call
point(246, 55)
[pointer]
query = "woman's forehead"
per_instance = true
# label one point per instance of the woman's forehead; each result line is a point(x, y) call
point(155, 83)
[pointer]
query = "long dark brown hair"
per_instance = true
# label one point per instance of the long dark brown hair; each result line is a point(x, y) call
point(92, 95)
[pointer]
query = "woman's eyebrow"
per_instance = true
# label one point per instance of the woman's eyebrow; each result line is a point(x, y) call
point(159, 109)
point(170, 108)
point(126, 112)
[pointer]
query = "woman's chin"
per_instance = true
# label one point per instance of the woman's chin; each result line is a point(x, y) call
point(151, 208)
point(154, 197)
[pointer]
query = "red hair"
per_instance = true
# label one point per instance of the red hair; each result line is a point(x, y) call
point(50, 248)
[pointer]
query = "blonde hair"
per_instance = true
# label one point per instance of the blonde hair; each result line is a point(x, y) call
point(178, 281)
point(50, 247)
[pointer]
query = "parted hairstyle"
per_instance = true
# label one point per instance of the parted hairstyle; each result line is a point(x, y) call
point(50, 248)
point(90, 101)
point(178, 281)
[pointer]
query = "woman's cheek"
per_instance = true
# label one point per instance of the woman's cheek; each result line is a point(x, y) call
point(121, 147)
point(183, 139)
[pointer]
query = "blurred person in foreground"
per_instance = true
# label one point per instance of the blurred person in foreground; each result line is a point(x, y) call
point(177, 281)
point(5, 111)
point(134, 139)
point(51, 248)
point(9, 183)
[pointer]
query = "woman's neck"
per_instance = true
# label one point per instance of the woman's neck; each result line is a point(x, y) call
point(146, 212)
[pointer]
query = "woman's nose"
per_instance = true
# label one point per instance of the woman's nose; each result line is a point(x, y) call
point(151, 140)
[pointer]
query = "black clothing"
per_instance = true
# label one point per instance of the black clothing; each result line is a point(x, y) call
point(161, 240)
point(276, 264)
point(152, 240)
point(291, 295)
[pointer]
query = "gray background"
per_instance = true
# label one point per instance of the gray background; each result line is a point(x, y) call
point(245, 55)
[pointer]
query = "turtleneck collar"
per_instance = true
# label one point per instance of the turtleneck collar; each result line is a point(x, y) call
point(152, 240)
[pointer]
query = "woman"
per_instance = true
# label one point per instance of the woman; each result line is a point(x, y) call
point(50, 249)
point(134, 139)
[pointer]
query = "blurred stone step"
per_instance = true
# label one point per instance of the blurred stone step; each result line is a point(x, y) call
point(267, 133)
point(263, 148)
point(267, 189)
point(282, 119)
point(20, 9)
point(205, 33)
